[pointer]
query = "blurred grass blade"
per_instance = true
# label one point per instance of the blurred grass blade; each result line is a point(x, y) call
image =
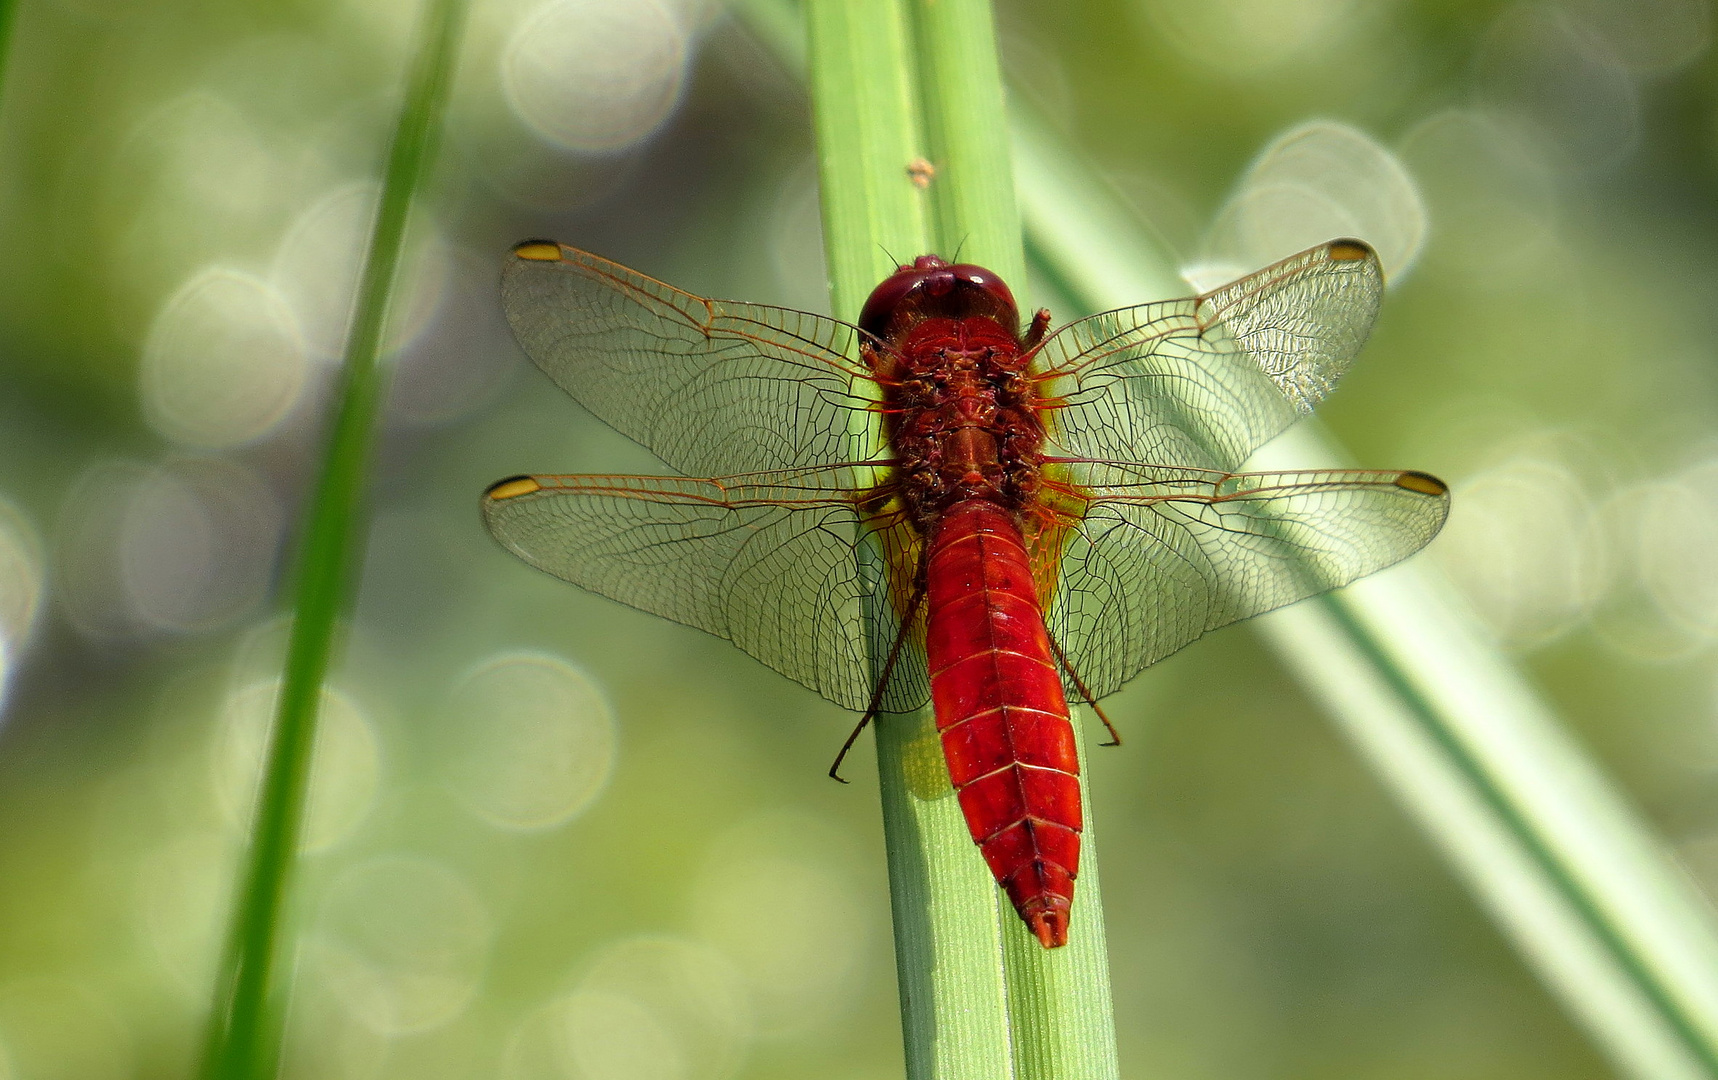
point(895, 84)
point(244, 1033)
point(8, 16)
point(1591, 898)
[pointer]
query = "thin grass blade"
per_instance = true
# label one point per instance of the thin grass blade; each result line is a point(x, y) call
point(971, 176)
point(244, 1029)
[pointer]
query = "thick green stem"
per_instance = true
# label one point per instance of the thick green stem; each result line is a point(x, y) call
point(244, 1030)
point(954, 1001)
point(966, 135)
point(895, 87)
point(1061, 1016)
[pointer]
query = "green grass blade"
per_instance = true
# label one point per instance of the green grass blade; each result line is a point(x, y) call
point(864, 108)
point(966, 135)
point(244, 1032)
point(1583, 888)
point(8, 16)
point(954, 999)
point(891, 84)
point(1059, 1001)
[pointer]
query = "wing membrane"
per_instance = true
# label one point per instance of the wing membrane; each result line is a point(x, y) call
point(710, 386)
point(774, 556)
point(1164, 555)
point(1205, 381)
point(767, 561)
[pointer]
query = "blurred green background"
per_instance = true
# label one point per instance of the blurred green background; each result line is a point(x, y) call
point(555, 838)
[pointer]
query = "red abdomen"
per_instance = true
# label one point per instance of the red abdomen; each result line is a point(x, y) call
point(1000, 709)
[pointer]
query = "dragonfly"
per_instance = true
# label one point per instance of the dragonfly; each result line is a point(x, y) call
point(938, 504)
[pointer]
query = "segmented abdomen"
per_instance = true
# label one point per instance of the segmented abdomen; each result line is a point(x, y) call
point(1000, 709)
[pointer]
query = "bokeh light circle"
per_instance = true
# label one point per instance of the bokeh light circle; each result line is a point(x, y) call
point(778, 896)
point(1496, 200)
point(1648, 36)
point(615, 1037)
point(7, 652)
point(345, 768)
point(595, 76)
point(656, 1007)
point(199, 177)
point(464, 358)
point(183, 547)
point(533, 740)
point(196, 544)
point(1313, 183)
point(1524, 543)
point(1663, 601)
point(21, 585)
point(1564, 83)
point(223, 362)
point(317, 265)
point(402, 942)
point(1248, 37)
point(1676, 565)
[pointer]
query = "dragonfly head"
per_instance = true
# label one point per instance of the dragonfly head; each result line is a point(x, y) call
point(932, 288)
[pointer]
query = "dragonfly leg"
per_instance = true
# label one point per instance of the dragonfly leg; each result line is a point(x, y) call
point(835, 769)
point(875, 706)
point(1085, 695)
point(1115, 736)
point(1035, 331)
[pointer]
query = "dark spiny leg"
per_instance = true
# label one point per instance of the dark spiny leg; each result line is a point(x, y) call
point(1086, 695)
point(1035, 332)
point(873, 708)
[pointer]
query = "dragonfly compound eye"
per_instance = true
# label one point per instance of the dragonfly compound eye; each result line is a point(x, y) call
point(931, 288)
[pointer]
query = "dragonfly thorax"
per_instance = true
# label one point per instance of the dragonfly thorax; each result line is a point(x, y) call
point(959, 407)
point(961, 418)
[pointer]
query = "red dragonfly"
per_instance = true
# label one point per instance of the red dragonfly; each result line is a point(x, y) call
point(938, 504)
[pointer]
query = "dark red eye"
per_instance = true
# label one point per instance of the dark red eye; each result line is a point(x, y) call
point(922, 284)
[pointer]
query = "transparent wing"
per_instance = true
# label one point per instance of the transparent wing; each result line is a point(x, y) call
point(767, 561)
point(710, 386)
point(1205, 381)
point(1164, 555)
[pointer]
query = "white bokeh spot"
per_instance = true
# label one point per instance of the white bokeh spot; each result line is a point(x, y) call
point(533, 741)
point(594, 75)
point(1316, 182)
point(345, 769)
point(224, 361)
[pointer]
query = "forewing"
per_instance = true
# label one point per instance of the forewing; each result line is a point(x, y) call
point(766, 561)
point(710, 386)
point(1205, 381)
point(1164, 555)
